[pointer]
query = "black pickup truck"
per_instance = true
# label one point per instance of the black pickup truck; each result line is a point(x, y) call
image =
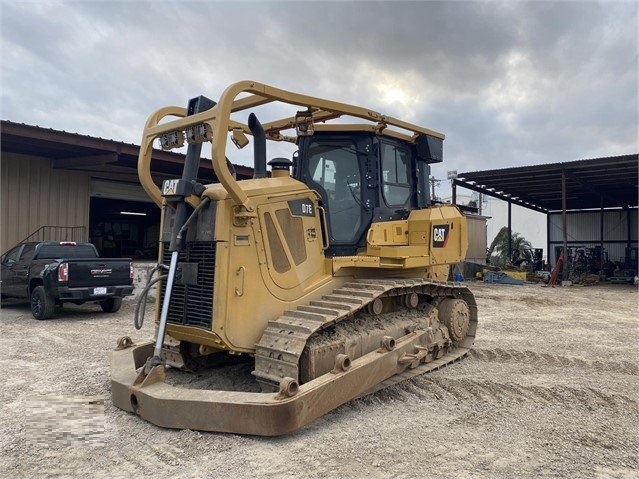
point(51, 273)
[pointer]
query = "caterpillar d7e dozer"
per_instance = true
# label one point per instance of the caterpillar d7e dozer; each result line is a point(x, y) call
point(330, 273)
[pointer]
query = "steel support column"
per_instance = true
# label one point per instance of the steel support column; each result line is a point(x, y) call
point(628, 254)
point(565, 224)
point(601, 233)
point(548, 240)
point(510, 232)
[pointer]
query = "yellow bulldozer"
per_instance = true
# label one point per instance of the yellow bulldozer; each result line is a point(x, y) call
point(329, 273)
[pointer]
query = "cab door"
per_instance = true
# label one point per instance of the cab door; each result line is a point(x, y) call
point(21, 269)
point(8, 268)
point(336, 167)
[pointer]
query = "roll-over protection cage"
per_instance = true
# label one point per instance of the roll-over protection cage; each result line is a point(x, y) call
point(215, 124)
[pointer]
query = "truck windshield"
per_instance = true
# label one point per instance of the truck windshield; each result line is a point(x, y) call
point(54, 251)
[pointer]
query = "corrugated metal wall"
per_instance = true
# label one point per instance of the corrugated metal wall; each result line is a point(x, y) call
point(477, 240)
point(34, 195)
point(584, 229)
point(118, 190)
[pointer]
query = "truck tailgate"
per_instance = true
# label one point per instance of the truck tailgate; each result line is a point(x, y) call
point(99, 272)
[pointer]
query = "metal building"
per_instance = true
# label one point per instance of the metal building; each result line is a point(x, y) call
point(590, 205)
point(61, 179)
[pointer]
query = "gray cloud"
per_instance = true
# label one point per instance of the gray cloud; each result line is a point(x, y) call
point(510, 83)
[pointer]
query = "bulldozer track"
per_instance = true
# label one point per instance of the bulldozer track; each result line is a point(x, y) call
point(533, 357)
point(278, 353)
point(445, 389)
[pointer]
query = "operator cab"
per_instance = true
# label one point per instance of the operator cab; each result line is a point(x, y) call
point(364, 178)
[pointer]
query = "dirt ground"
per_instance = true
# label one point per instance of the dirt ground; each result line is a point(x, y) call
point(551, 390)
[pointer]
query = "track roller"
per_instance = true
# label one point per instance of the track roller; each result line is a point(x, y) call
point(375, 307)
point(411, 300)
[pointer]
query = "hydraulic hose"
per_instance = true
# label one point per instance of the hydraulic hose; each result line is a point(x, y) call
point(138, 320)
point(196, 212)
point(141, 306)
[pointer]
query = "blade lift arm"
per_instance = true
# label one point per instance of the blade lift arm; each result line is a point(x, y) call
point(183, 188)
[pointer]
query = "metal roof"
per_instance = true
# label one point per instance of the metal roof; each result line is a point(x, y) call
point(613, 179)
point(590, 184)
point(102, 157)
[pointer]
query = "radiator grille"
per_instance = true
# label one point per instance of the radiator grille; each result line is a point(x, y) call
point(192, 305)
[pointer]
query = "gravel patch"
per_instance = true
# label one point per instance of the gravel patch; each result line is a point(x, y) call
point(550, 390)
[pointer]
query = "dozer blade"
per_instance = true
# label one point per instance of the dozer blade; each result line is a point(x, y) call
point(263, 414)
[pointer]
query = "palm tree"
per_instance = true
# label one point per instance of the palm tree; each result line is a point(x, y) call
point(498, 250)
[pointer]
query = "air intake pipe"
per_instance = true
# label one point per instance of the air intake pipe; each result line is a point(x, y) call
point(259, 146)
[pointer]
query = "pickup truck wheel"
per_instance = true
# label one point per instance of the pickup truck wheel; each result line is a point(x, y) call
point(111, 305)
point(42, 305)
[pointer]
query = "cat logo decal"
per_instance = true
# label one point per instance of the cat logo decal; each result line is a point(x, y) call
point(440, 236)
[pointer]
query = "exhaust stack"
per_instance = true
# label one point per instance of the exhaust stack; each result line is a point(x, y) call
point(259, 147)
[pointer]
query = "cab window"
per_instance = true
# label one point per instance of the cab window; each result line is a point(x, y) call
point(395, 175)
point(27, 252)
point(334, 166)
point(11, 256)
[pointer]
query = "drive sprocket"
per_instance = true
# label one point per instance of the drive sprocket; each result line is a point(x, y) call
point(455, 314)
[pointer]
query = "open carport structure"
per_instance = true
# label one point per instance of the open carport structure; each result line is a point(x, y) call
point(589, 202)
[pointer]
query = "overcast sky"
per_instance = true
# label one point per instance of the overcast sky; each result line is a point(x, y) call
point(510, 84)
